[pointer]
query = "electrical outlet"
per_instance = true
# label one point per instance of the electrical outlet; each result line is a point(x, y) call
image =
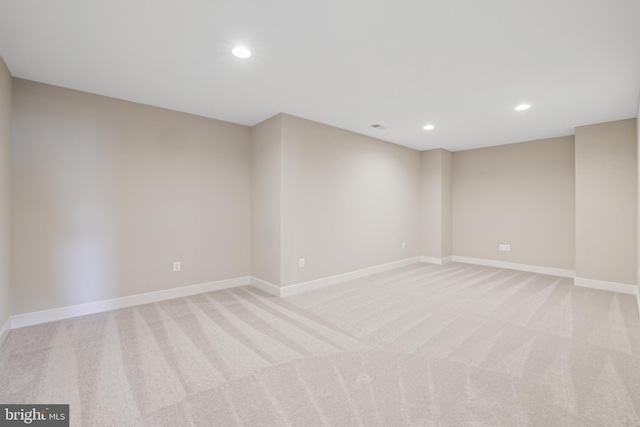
point(301, 262)
point(176, 266)
point(404, 245)
point(504, 247)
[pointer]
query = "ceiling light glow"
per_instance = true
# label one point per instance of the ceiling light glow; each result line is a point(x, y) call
point(429, 127)
point(241, 52)
point(523, 107)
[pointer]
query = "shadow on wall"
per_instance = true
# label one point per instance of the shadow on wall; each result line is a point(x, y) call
point(107, 194)
point(65, 237)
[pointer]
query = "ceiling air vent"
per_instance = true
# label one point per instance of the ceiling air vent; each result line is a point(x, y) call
point(377, 126)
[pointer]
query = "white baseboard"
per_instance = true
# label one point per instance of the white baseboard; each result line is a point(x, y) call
point(332, 280)
point(622, 288)
point(35, 318)
point(4, 332)
point(438, 261)
point(265, 286)
point(551, 271)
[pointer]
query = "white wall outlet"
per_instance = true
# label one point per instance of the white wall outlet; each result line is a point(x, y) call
point(504, 247)
point(176, 266)
point(301, 262)
point(404, 245)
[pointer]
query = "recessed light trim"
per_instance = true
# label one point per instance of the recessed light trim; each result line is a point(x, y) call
point(523, 107)
point(428, 127)
point(241, 52)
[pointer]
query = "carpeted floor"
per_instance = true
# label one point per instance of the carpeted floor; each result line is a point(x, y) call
point(452, 345)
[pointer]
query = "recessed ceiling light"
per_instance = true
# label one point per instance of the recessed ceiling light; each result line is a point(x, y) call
point(523, 107)
point(429, 127)
point(241, 52)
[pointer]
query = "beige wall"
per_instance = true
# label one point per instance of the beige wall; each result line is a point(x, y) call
point(447, 204)
point(606, 201)
point(106, 194)
point(518, 194)
point(348, 201)
point(5, 121)
point(266, 174)
point(435, 200)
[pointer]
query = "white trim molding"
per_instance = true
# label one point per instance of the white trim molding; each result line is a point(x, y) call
point(437, 261)
point(286, 291)
point(551, 271)
point(45, 316)
point(4, 332)
point(622, 288)
point(265, 286)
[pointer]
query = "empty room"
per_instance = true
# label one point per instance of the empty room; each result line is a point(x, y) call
point(319, 213)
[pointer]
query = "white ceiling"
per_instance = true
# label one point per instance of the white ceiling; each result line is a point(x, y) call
point(462, 65)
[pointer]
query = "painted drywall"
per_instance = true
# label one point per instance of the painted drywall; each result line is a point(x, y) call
point(5, 135)
point(447, 203)
point(435, 204)
point(348, 201)
point(106, 194)
point(518, 194)
point(606, 201)
point(266, 172)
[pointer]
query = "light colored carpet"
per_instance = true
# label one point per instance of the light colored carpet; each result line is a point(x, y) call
point(451, 345)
